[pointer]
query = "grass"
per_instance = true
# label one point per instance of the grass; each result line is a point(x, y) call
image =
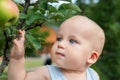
point(33, 62)
point(29, 64)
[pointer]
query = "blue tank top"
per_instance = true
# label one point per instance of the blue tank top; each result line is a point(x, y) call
point(56, 74)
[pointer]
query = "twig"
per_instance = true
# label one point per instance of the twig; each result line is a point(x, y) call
point(5, 59)
point(27, 4)
point(22, 21)
point(33, 26)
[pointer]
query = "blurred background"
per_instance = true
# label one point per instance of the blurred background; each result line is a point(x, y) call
point(104, 12)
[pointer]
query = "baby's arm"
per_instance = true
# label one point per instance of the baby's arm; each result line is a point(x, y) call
point(16, 69)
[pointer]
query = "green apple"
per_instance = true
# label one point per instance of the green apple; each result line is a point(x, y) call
point(9, 13)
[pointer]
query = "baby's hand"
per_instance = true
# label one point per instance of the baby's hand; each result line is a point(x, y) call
point(18, 50)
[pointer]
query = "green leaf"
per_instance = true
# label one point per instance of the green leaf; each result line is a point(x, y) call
point(44, 4)
point(70, 6)
point(32, 18)
point(67, 0)
point(8, 31)
point(57, 15)
point(52, 9)
point(53, 1)
point(23, 16)
point(21, 8)
point(35, 42)
point(42, 11)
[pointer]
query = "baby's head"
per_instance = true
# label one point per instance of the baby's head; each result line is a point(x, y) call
point(79, 42)
point(89, 30)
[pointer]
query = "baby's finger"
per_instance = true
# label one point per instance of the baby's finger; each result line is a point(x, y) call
point(22, 33)
point(15, 42)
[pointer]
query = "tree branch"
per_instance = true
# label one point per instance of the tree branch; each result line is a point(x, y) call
point(6, 52)
point(22, 21)
point(33, 26)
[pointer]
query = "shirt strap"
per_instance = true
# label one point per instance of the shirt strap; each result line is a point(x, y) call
point(55, 73)
point(93, 74)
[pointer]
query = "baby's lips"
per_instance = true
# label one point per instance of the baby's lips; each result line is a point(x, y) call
point(59, 53)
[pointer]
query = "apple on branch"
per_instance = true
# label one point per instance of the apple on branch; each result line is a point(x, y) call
point(9, 13)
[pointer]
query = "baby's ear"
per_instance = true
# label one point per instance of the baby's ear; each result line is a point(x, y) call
point(93, 57)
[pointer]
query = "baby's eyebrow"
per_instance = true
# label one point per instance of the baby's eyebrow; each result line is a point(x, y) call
point(73, 35)
point(58, 34)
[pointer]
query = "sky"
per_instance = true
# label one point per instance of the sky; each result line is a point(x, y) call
point(60, 2)
point(23, 1)
point(33, 1)
point(54, 4)
point(88, 1)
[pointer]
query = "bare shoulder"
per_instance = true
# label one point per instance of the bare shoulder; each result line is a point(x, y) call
point(41, 73)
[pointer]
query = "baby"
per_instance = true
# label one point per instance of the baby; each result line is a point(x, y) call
point(78, 45)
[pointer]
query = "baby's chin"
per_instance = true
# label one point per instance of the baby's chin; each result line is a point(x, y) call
point(68, 69)
point(64, 67)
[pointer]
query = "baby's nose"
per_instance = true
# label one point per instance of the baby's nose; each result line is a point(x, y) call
point(61, 44)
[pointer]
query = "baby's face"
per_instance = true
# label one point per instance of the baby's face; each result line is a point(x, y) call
point(72, 47)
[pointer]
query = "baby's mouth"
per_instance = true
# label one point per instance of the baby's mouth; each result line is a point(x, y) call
point(61, 54)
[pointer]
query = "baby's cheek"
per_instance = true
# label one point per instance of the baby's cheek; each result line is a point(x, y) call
point(53, 49)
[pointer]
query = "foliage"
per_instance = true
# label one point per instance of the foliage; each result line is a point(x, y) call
point(106, 14)
point(34, 15)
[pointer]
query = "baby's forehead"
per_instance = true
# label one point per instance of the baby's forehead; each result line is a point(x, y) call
point(78, 24)
point(80, 21)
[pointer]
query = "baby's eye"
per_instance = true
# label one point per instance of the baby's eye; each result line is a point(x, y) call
point(58, 38)
point(73, 41)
